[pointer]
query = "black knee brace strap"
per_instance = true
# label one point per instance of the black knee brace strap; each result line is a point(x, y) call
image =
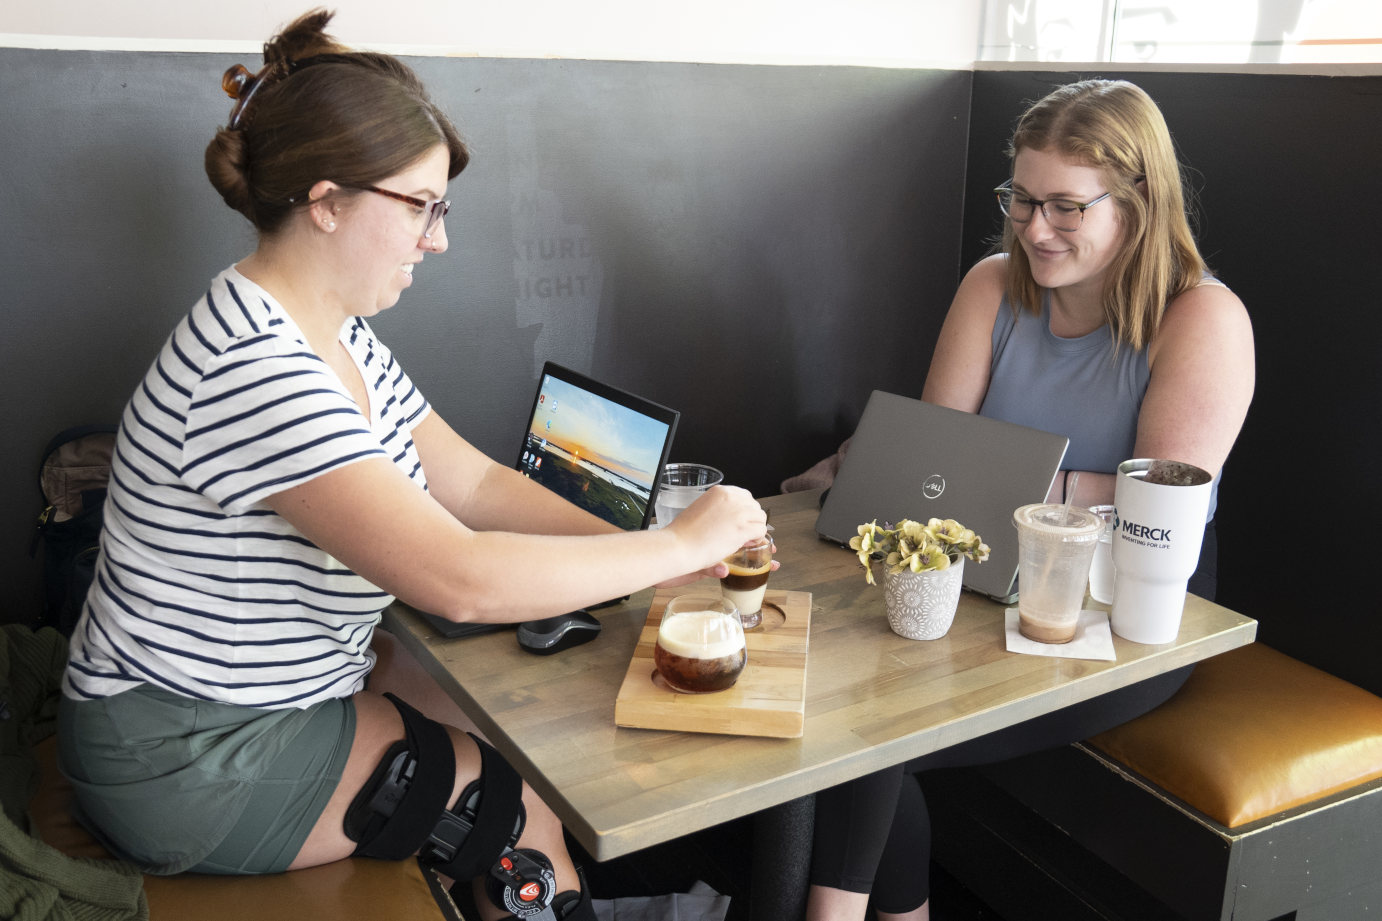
point(402, 809)
point(486, 820)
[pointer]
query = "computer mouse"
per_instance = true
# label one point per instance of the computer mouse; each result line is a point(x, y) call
point(553, 634)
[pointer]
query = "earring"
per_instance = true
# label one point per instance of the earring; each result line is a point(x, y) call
point(330, 225)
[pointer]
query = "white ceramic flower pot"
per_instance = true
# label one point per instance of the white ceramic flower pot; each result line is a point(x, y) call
point(921, 605)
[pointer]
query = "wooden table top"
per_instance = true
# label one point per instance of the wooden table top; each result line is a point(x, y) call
point(873, 698)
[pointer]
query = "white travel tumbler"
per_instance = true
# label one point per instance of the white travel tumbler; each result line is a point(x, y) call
point(1159, 512)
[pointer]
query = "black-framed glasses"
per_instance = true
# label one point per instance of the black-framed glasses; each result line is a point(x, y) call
point(1060, 213)
point(435, 209)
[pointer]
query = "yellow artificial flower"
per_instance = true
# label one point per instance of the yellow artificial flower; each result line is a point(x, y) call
point(912, 546)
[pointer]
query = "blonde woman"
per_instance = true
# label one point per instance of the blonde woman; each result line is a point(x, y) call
point(1098, 320)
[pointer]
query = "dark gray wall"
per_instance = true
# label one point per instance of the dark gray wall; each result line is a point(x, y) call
point(758, 247)
point(1284, 169)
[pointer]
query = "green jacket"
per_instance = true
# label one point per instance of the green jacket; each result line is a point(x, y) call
point(38, 883)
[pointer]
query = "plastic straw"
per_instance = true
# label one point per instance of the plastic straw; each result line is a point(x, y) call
point(1069, 494)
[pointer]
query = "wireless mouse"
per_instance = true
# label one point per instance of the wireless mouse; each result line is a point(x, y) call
point(553, 634)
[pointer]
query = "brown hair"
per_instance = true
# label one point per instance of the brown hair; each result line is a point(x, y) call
point(318, 110)
point(1115, 127)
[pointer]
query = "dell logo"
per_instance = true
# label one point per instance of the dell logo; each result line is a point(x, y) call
point(933, 486)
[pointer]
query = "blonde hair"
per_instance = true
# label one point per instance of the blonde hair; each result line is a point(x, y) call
point(1115, 127)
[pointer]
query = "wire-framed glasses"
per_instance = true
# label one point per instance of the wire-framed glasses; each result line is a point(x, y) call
point(1061, 213)
point(435, 209)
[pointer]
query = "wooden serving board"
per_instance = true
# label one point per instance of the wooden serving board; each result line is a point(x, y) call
point(769, 699)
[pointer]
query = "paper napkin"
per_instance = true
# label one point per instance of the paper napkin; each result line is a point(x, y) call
point(1093, 639)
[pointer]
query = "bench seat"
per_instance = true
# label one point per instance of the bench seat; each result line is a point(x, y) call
point(346, 890)
point(1253, 794)
point(1254, 732)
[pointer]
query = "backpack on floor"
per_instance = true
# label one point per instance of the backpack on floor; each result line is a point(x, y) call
point(72, 477)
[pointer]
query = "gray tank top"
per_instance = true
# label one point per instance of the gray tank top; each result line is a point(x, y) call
point(1080, 388)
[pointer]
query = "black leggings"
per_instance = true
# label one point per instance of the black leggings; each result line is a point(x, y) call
point(873, 834)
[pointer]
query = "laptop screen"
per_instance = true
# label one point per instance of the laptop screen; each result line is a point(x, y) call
point(597, 446)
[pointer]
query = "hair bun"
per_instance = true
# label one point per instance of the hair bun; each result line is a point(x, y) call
point(226, 163)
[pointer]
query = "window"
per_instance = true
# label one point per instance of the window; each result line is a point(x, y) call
point(1182, 31)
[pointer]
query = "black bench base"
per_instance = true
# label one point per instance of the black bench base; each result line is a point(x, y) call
point(1068, 834)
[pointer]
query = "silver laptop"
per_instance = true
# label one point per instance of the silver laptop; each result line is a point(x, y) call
point(911, 459)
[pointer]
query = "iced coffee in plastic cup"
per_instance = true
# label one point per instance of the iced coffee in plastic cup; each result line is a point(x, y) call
point(700, 644)
point(1055, 546)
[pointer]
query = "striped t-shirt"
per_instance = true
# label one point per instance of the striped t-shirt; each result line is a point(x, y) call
point(200, 588)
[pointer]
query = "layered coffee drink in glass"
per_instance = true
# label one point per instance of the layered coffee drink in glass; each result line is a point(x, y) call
point(748, 579)
point(700, 644)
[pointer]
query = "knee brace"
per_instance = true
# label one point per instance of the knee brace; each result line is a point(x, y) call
point(401, 810)
point(527, 901)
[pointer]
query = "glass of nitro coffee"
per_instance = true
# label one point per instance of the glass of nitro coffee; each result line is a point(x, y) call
point(700, 644)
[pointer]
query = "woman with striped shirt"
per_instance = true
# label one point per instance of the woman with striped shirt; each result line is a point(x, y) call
point(278, 479)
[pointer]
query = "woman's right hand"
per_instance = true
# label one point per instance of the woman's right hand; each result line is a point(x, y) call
point(715, 525)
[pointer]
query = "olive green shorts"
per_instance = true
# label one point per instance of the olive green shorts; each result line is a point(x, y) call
point(174, 784)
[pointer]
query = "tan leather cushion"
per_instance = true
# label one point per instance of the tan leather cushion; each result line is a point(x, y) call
point(344, 890)
point(1254, 732)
